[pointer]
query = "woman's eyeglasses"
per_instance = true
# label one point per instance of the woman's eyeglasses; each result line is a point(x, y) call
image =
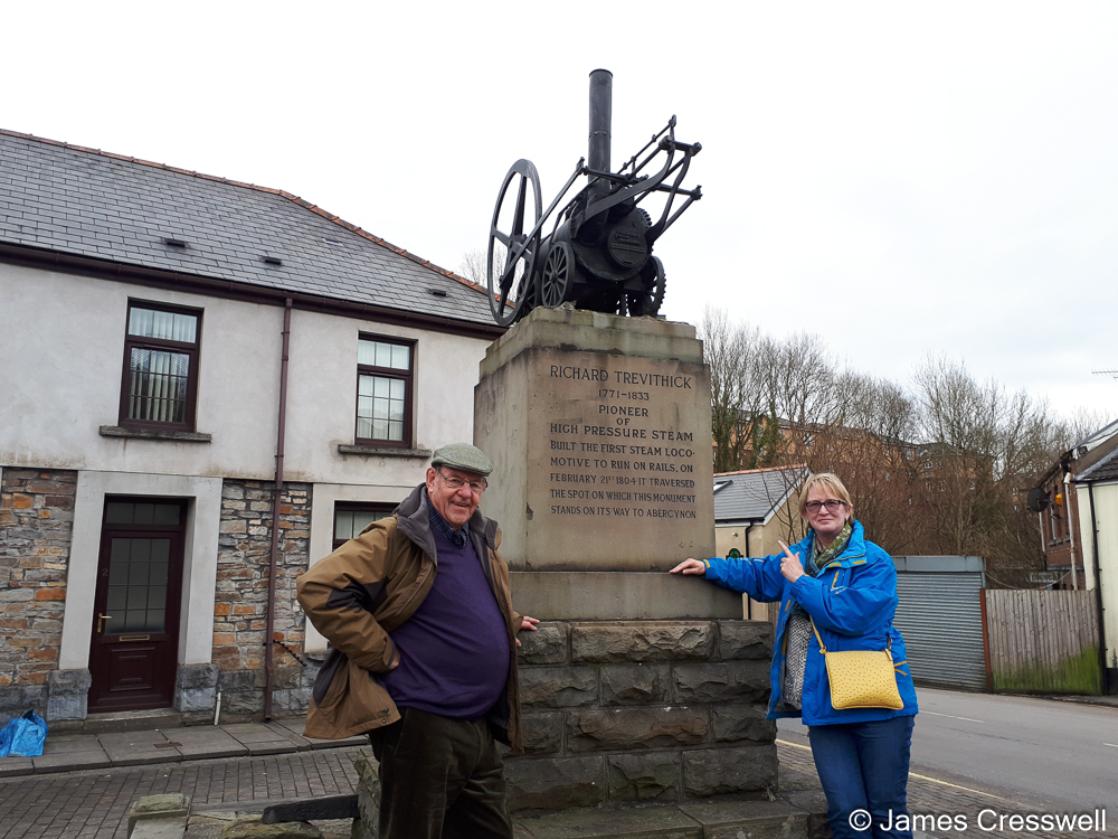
point(833, 505)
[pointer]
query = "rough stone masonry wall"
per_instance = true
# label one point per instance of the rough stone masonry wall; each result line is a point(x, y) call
point(240, 619)
point(36, 520)
point(642, 711)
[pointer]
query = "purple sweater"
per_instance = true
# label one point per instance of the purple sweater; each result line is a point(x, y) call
point(454, 650)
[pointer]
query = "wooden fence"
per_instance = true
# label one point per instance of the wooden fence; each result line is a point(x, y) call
point(1042, 641)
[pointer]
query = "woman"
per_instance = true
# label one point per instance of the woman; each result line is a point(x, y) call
point(844, 587)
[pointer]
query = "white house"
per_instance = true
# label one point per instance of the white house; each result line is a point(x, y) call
point(204, 385)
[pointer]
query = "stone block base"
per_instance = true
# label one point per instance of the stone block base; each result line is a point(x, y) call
point(643, 711)
point(67, 694)
point(196, 688)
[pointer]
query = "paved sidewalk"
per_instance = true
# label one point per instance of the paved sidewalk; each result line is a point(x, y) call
point(82, 786)
point(69, 752)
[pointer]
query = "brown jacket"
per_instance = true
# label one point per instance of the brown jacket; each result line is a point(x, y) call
point(365, 589)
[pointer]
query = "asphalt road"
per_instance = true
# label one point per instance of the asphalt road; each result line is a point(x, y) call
point(1044, 753)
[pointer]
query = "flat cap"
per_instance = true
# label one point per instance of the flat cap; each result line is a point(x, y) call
point(463, 456)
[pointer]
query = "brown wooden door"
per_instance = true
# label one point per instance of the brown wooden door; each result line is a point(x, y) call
point(134, 649)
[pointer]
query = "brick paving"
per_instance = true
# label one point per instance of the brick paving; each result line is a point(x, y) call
point(93, 804)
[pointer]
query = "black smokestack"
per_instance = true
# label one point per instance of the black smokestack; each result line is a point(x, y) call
point(601, 118)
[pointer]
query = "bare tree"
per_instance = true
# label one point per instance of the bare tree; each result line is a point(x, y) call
point(473, 265)
point(737, 398)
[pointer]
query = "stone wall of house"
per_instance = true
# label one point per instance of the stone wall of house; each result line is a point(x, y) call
point(240, 619)
point(36, 520)
point(643, 711)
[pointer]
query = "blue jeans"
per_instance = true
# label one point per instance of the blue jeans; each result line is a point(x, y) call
point(864, 766)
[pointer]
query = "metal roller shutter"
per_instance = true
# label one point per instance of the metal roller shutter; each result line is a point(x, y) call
point(940, 614)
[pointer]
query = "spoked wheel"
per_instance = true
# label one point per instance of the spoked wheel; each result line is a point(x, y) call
point(648, 300)
point(555, 280)
point(509, 284)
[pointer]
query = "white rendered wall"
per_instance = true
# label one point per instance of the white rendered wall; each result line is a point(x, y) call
point(62, 340)
point(322, 399)
point(63, 345)
point(1106, 509)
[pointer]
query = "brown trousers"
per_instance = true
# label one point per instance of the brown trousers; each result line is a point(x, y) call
point(440, 778)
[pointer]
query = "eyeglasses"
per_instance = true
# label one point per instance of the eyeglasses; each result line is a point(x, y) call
point(476, 487)
point(833, 505)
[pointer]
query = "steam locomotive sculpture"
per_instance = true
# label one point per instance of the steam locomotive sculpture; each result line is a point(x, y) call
point(598, 253)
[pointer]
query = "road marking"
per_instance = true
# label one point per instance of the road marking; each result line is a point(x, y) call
point(1112, 745)
point(952, 716)
point(920, 777)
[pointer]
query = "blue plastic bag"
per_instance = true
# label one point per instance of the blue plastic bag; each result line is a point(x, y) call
point(24, 736)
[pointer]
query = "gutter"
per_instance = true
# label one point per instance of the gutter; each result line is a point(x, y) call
point(277, 490)
point(231, 289)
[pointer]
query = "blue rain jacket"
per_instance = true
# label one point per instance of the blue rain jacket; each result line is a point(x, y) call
point(852, 602)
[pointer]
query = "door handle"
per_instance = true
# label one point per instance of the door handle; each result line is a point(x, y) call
point(101, 622)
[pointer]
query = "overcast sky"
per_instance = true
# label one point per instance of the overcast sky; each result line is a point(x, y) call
point(904, 180)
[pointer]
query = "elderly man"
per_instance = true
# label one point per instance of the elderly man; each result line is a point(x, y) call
point(423, 637)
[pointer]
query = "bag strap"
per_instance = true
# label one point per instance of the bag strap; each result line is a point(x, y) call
point(823, 650)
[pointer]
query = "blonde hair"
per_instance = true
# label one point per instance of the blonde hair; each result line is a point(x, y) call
point(833, 484)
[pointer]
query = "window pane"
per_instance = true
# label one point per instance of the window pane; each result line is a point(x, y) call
point(365, 406)
point(166, 513)
point(118, 512)
point(118, 597)
point(364, 427)
point(366, 352)
point(137, 597)
point(396, 410)
point(343, 524)
point(158, 383)
point(363, 518)
point(383, 355)
point(396, 388)
point(145, 513)
point(380, 429)
point(364, 385)
point(381, 386)
point(157, 596)
point(395, 431)
point(400, 357)
point(168, 326)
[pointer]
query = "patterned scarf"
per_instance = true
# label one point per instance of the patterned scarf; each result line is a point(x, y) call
point(824, 555)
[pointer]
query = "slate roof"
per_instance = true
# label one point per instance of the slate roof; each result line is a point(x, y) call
point(83, 202)
point(1105, 470)
point(754, 494)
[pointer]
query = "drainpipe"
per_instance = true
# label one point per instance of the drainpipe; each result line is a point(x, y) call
point(276, 492)
point(1098, 591)
point(748, 600)
point(1071, 530)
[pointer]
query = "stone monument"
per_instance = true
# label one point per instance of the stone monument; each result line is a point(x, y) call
point(639, 686)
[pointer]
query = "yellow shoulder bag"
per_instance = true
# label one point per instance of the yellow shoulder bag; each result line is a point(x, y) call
point(861, 678)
